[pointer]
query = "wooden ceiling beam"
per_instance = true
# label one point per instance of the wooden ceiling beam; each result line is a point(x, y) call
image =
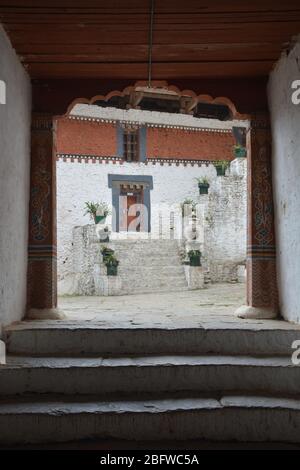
point(185, 29)
point(160, 70)
point(106, 19)
point(257, 33)
point(109, 38)
point(166, 55)
point(161, 5)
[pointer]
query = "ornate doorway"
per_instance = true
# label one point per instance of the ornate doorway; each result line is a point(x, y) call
point(131, 213)
point(261, 257)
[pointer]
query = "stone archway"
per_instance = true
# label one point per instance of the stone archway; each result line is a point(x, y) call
point(262, 297)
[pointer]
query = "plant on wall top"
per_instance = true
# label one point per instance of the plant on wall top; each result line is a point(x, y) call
point(202, 180)
point(221, 166)
point(97, 211)
point(111, 263)
point(239, 151)
point(194, 257)
point(203, 185)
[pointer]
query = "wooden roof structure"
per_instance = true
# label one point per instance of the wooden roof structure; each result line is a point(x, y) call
point(64, 39)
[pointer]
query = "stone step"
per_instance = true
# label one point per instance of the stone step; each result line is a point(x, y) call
point(155, 282)
point(149, 261)
point(227, 417)
point(139, 270)
point(148, 257)
point(149, 374)
point(131, 290)
point(132, 243)
point(161, 244)
point(210, 336)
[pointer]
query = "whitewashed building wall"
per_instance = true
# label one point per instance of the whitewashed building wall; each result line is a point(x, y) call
point(224, 208)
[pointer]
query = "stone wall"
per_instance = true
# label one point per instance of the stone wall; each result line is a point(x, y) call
point(285, 121)
point(15, 118)
point(224, 209)
point(225, 225)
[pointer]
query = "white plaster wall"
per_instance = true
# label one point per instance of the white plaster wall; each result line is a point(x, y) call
point(226, 223)
point(154, 117)
point(285, 120)
point(226, 205)
point(15, 118)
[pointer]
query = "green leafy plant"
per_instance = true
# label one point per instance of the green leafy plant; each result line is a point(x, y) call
point(111, 260)
point(221, 166)
point(111, 264)
point(203, 185)
point(96, 210)
point(239, 151)
point(106, 252)
point(202, 180)
point(193, 253)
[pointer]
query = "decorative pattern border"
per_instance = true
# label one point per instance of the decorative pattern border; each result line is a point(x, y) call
point(73, 158)
point(42, 253)
point(261, 251)
point(137, 124)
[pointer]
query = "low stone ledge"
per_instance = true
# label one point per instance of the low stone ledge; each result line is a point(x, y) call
point(194, 276)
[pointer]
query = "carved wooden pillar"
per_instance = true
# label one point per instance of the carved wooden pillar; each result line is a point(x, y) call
point(42, 264)
point(262, 294)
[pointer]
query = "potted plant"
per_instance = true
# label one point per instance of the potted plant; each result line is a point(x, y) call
point(239, 151)
point(111, 264)
point(106, 253)
point(203, 185)
point(221, 167)
point(195, 257)
point(98, 211)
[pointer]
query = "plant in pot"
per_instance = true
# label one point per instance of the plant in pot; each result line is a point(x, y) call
point(195, 257)
point(106, 253)
point(221, 167)
point(111, 264)
point(239, 151)
point(98, 211)
point(203, 185)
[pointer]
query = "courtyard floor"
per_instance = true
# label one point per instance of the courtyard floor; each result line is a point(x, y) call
point(218, 301)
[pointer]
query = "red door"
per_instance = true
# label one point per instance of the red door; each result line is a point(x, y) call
point(132, 214)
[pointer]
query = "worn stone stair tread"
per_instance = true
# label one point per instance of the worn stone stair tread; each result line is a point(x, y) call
point(143, 336)
point(14, 361)
point(149, 374)
point(147, 266)
point(227, 417)
point(93, 404)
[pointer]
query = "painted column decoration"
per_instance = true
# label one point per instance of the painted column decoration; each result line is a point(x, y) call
point(262, 294)
point(42, 262)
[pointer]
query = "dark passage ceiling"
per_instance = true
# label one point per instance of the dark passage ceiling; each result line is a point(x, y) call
point(109, 39)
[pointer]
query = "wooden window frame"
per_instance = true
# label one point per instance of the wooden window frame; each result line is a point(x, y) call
point(131, 145)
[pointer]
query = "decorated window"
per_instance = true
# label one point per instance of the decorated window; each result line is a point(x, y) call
point(131, 145)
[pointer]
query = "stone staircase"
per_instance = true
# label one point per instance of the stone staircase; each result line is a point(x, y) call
point(149, 266)
point(222, 381)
